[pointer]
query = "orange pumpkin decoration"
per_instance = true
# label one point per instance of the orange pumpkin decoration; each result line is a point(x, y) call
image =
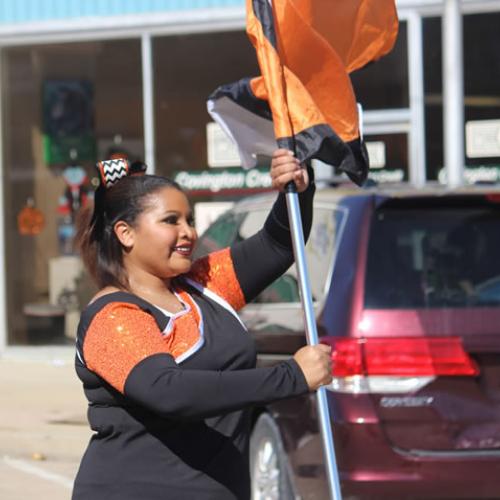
point(30, 220)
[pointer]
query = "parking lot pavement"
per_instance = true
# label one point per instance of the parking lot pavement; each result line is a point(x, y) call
point(43, 428)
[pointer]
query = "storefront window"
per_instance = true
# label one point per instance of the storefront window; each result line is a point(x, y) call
point(481, 96)
point(384, 85)
point(433, 89)
point(187, 69)
point(64, 106)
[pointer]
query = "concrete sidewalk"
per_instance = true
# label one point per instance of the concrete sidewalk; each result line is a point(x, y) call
point(43, 427)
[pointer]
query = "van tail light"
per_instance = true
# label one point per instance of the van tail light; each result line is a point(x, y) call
point(395, 364)
point(493, 197)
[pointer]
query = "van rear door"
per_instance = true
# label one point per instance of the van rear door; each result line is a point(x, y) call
point(431, 299)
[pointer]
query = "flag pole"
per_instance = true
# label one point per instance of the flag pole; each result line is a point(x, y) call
point(325, 424)
point(295, 221)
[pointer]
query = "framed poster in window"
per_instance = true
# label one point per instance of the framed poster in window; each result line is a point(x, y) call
point(68, 121)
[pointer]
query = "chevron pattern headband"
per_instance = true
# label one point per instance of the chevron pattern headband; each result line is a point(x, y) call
point(111, 171)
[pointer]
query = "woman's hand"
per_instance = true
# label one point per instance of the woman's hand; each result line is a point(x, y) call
point(316, 365)
point(286, 168)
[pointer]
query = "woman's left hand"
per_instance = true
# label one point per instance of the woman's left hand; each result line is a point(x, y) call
point(286, 168)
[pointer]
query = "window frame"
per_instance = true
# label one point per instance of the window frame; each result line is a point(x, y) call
point(265, 205)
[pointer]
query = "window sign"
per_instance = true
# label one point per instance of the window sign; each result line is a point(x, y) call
point(482, 138)
point(376, 154)
point(475, 174)
point(222, 151)
point(388, 155)
point(230, 180)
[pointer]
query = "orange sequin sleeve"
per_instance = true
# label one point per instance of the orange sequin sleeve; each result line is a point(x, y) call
point(119, 337)
point(216, 272)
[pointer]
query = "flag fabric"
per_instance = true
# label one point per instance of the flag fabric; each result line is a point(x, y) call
point(245, 118)
point(304, 99)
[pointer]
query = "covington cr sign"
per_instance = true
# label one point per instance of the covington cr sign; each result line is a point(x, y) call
point(224, 181)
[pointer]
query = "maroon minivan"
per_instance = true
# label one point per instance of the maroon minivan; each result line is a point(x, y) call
point(406, 286)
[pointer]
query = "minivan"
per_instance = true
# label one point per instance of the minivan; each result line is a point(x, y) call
point(406, 289)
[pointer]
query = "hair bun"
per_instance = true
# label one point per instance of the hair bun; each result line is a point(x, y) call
point(111, 171)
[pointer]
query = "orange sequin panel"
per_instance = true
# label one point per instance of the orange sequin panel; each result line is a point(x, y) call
point(119, 337)
point(216, 272)
point(186, 329)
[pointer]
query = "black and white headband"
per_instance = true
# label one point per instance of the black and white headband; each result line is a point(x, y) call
point(111, 171)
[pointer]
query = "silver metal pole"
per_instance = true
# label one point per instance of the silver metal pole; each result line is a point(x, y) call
point(453, 89)
point(148, 103)
point(295, 219)
point(4, 178)
point(417, 112)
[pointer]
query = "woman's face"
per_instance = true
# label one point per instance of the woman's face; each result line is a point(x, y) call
point(163, 236)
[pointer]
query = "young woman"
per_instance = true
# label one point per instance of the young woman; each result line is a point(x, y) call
point(166, 364)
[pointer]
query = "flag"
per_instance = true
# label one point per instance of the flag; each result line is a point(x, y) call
point(304, 99)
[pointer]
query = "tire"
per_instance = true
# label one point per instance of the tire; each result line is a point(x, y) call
point(270, 477)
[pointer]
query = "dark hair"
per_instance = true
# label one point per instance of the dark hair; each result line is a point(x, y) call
point(100, 249)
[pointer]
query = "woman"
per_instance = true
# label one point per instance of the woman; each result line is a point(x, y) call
point(167, 366)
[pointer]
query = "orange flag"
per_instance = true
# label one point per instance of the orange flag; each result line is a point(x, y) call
point(306, 49)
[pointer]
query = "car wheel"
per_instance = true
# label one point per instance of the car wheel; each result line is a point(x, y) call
point(268, 465)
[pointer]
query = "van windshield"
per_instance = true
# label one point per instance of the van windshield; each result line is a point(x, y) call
point(433, 258)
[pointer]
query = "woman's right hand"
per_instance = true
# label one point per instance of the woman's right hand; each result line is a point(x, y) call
point(316, 365)
point(286, 168)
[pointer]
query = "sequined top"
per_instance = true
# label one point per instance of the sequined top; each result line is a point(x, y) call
point(170, 396)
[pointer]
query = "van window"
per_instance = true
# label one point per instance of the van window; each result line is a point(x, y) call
point(220, 234)
point(431, 258)
point(231, 228)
